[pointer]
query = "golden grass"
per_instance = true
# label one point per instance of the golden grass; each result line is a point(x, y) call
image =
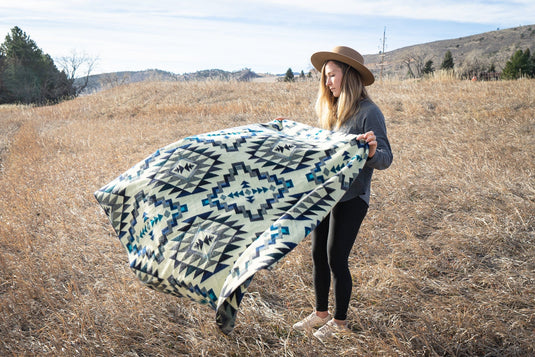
point(444, 263)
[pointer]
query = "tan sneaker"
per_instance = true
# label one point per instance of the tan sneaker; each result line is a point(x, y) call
point(329, 330)
point(311, 321)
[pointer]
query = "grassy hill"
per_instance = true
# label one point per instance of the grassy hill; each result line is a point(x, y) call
point(481, 50)
point(444, 263)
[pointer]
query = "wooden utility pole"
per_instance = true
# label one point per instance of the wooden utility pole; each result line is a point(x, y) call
point(383, 53)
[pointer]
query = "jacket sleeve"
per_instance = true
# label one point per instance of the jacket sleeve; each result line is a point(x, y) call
point(375, 122)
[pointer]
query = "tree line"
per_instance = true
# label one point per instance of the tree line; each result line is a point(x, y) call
point(521, 64)
point(290, 77)
point(28, 75)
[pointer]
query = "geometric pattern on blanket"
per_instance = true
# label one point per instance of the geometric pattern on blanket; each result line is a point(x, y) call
point(200, 217)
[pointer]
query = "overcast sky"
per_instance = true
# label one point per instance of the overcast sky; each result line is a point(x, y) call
point(264, 35)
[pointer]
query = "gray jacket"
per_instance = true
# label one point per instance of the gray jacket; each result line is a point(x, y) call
point(368, 118)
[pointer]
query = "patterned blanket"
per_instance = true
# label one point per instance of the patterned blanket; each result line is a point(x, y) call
point(201, 216)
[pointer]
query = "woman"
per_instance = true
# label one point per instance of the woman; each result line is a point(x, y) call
point(343, 104)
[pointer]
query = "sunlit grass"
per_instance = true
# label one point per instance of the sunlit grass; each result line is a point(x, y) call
point(444, 263)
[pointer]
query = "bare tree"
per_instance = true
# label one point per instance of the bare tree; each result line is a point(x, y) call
point(111, 80)
point(416, 63)
point(474, 64)
point(408, 60)
point(73, 65)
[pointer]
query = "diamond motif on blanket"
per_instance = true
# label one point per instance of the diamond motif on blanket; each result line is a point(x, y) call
point(261, 191)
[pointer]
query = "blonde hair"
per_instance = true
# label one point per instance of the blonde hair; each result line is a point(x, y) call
point(334, 112)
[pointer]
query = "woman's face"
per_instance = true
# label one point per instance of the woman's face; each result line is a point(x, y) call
point(333, 78)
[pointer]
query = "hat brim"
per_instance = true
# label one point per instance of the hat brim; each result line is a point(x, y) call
point(319, 58)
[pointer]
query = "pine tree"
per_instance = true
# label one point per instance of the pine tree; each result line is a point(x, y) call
point(447, 63)
point(520, 64)
point(289, 77)
point(27, 75)
point(428, 67)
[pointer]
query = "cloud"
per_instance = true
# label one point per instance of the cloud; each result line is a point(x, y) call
point(479, 11)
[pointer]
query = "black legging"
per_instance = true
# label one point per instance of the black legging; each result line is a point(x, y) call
point(332, 241)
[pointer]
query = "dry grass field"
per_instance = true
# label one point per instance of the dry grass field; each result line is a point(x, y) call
point(444, 264)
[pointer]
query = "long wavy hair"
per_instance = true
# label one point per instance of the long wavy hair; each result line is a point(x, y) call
point(333, 112)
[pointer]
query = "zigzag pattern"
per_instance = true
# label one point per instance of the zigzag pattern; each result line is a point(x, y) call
point(200, 217)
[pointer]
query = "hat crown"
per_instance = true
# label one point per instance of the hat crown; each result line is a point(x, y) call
point(349, 52)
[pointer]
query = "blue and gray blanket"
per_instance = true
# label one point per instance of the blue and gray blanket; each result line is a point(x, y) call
point(200, 217)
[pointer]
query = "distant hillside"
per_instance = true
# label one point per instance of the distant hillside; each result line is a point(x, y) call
point(108, 80)
point(476, 51)
point(245, 75)
point(98, 82)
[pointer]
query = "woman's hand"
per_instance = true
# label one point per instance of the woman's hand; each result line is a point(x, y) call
point(370, 138)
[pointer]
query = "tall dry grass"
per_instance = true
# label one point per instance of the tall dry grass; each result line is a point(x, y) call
point(444, 263)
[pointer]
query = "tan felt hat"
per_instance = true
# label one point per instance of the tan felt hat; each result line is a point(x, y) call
point(346, 55)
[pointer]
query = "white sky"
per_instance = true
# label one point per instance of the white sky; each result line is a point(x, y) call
point(265, 35)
